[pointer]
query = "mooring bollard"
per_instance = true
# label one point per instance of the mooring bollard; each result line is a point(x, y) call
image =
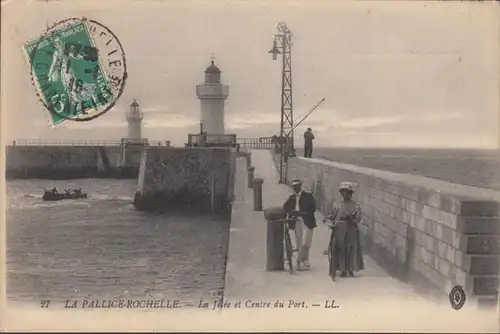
point(251, 171)
point(275, 238)
point(257, 193)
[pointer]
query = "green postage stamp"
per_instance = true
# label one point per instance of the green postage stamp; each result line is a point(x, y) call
point(75, 77)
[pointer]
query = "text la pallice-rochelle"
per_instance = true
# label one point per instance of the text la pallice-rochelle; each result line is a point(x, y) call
point(120, 303)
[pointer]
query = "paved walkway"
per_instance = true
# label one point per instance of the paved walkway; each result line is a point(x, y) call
point(373, 296)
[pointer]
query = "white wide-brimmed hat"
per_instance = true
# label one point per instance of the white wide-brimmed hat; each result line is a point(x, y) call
point(349, 186)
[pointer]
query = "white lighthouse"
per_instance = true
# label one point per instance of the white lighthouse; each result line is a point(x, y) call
point(212, 95)
point(134, 119)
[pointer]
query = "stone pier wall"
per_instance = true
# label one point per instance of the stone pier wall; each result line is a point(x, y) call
point(193, 179)
point(446, 233)
point(67, 162)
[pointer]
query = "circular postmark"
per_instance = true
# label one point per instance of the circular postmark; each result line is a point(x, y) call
point(78, 68)
point(457, 297)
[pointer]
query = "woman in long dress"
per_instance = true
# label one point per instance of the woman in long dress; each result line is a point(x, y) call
point(345, 253)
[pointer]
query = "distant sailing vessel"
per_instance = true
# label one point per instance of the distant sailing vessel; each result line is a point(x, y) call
point(53, 195)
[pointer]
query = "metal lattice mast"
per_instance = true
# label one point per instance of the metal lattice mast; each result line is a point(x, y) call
point(286, 94)
point(283, 42)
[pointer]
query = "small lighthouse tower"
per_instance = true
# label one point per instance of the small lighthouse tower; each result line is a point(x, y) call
point(134, 119)
point(212, 95)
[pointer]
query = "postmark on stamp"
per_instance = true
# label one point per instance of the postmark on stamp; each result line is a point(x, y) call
point(78, 69)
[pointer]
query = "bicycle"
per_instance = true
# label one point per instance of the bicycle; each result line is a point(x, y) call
point(332, 264)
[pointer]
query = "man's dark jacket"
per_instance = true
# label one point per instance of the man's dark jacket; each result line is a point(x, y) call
point(307, 205)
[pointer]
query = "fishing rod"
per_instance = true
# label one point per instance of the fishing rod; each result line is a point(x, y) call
point(306, 115)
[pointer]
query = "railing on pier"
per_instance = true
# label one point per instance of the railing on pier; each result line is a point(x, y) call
point(211, 140)
point(145, 142)
point(142, 141)
point(41, 142)
point(214, 140)
point(161, 143)
point(264, 143)
point(123, 141)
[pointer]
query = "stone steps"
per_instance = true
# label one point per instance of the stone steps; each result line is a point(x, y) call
point(483, 285)
point(481, 244)
point(479, 225)
point(481, 250)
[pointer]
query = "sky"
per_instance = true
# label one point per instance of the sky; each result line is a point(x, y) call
point(394, 73)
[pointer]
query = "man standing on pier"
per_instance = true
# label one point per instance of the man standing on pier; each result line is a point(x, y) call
point(301, 206)
point(308, 143)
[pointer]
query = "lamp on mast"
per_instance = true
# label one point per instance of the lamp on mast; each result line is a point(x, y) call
point(275, 50)
point(282, 44)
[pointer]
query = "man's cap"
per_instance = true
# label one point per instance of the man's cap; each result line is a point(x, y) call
point(296, 183)
point(346, 186)
point(309, 129)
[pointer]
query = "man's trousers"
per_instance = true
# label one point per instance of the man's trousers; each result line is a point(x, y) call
point(304, 236)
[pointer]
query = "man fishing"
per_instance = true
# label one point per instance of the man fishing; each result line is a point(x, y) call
point(308, 143)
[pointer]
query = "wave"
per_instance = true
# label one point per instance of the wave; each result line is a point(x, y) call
point(89, 197)
point(125, 198)
point(99, 197)
point(33, 196)
point(38, 205)
point(61, 203)
point(34, 201)
point(109, 197)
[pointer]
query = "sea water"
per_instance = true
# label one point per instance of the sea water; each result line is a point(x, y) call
point(101, 247)
point(472, 167)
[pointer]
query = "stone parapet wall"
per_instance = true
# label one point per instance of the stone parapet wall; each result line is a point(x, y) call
point(196, 179)
point(69, 162)
point(62, 162)
point(445, 232)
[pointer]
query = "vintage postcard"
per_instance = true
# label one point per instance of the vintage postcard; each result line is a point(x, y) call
point(250, 165)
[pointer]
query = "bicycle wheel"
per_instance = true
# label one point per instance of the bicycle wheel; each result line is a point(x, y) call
point(289, 250)
point(332, 258)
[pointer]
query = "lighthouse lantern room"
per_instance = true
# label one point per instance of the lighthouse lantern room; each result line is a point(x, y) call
point(134, 120)
point(212, 95)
